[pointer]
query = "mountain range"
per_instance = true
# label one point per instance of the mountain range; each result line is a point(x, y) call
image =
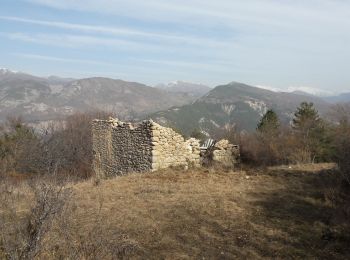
point(179, 104)
point(341, 98)
point(234, 104)
point(40, 99)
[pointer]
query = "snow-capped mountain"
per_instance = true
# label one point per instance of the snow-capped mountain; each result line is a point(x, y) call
point(4, 71)
point(302, 90)
point(192, 89)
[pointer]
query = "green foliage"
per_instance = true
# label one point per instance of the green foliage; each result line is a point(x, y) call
point(18, 147)
point(306, 118)
point(266, 141)
point(312, 132)
point(269, 123)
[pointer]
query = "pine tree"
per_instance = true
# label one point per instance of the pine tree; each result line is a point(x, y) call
point(306, 118)
point(311, 130)
point(269, 123)
point(268, 133)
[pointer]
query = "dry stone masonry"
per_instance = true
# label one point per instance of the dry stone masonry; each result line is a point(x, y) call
point(120, 148)
point(226, 153)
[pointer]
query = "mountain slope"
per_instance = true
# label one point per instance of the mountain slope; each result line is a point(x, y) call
point(41, 99)
point(234, 104)
point(21, 93)
point(344, 97)
point(115, 95)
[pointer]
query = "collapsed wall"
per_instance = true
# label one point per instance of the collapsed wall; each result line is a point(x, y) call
point(226, 153)
point(119, 148)
point(170, 149)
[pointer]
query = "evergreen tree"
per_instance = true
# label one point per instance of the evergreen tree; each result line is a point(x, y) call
point(269, 123)
point(306, 118)
point(18, 144)
point(268, 133)
point(311, 130)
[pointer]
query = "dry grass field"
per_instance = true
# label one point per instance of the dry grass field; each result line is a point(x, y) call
point(278, 212)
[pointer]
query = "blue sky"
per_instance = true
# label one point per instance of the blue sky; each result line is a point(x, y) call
point(276, 44)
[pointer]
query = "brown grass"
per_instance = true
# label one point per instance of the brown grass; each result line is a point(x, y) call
point(203, 214)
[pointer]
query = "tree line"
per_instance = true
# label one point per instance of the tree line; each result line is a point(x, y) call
point(308, 139)
point(65, 147)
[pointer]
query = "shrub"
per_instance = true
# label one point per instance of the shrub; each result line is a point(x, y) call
point(23, 230)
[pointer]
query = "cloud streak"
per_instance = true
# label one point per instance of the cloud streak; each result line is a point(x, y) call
point(78, 41)
point(278, 14)
point(59, 59)
point(260, 42)
point(115, 31)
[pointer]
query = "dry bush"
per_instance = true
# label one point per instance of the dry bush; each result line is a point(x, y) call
point(254, 150)
point(264, 150)
point(63, 148)
point(339, 192)
point(229, 132)
point(26, 216)
point(292, 149)
point(260, 151)
point(67, 147)
point(341, 139)
point(38, 220)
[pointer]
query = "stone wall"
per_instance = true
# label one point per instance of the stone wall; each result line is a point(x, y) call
point(120, 148)
point(226, 153)
point(170, 149)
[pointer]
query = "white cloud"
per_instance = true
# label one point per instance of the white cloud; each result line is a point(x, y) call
point(59, 59)
point(278, 43)
point(77, 41)
point(116, 31)
point(286, 14)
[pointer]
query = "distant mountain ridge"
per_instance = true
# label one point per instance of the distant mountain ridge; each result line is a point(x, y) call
point(40, 99)
point(183, 105)
point(234, 104)
point(344, 97)
point(193, 89)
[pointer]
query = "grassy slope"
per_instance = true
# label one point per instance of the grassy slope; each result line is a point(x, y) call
point(199, 214)
point(203, 214)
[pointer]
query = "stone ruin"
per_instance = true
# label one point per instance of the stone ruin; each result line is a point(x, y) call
point(120, 148)
point(221, 152)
